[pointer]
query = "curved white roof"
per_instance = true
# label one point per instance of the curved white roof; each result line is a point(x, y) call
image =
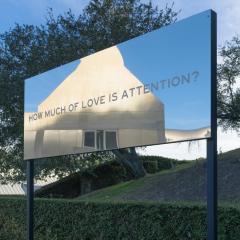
point(9, 189)
point(20, 188)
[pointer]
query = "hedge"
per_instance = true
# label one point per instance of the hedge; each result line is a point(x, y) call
point(153, 164)
point(68, 219)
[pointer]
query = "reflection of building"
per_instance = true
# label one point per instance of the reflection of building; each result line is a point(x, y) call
point(174, 135)
point(21, 188)
point(132, 121)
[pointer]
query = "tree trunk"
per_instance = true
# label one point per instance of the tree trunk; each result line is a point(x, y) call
point(129, 159)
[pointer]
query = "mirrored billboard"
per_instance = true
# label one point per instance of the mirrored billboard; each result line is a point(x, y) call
point(150, 90)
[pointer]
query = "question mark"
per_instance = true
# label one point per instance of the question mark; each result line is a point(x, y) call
point(195, 75)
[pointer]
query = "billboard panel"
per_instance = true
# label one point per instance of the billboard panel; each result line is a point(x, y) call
point(152, 89)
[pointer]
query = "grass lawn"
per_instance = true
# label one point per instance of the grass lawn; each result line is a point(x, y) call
point(113, 193)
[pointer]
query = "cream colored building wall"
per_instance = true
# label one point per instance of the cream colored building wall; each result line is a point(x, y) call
point(114, 120)
point(96, 75)
point(101, 74)
point(58, 142)
point(138, 137)
point(73, 140)
point(29, 144)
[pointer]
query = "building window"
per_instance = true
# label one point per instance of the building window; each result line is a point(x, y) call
point(111, 139)
point(101, 139)
point(89, 139)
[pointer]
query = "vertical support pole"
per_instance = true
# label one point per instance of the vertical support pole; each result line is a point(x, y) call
point(211, 190)
point(212, 142)
point(30, 197)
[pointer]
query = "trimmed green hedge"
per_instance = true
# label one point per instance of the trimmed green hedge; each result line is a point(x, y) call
point(66, 219)
point(153, 164)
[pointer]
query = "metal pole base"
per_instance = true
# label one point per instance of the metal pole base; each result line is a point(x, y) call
point(30, 197)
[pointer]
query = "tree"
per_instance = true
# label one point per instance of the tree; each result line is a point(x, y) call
point(130, 160)
point(29, 50)
point(228, 90)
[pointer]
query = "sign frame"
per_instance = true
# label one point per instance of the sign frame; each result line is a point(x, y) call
point(176, 107)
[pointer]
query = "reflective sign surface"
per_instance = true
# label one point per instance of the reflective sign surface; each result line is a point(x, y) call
point(152, 89)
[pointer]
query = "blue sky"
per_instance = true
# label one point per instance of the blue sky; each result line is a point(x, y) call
point(34, 12)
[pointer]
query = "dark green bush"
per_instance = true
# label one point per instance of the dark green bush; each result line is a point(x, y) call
point(154, 164)
point(151, 166)
point(161, 162)
point(66, 219)
point(104, 175)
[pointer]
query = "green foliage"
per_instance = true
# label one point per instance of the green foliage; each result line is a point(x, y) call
point(28, 50)
point(228, 91)
point(150, 166)
point(121, 190)
point(154, 164)
point(233, 155)
point(64, 219)
point(105, 175)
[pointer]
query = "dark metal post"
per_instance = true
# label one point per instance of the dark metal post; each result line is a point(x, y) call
point(30, 197)
point(212, 142)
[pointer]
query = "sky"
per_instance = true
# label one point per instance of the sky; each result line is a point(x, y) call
point(34, 12)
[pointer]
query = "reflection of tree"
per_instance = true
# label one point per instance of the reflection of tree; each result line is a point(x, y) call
point(228, 92)
point(29, 50)
point(192, 144)
point(129, 158)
